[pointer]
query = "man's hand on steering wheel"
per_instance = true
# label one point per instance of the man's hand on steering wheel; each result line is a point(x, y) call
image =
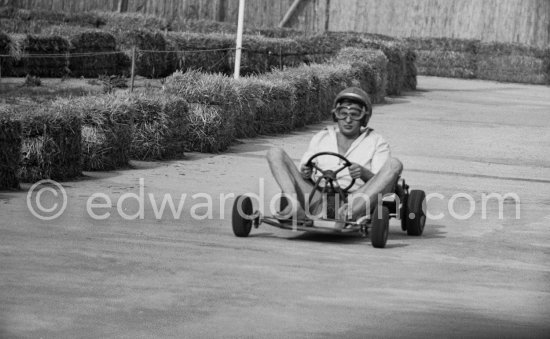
point(357, 171)
point(306, 172)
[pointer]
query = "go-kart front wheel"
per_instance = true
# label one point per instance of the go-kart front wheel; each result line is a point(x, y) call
point(416, 217)
point(380, 226)
point(242, 216)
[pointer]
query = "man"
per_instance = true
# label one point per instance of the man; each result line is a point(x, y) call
point(372, 166)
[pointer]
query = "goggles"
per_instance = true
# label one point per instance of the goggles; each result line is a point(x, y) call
point(343, 112)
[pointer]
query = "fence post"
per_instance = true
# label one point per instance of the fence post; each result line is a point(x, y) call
point(133, 68)
point(238, 49)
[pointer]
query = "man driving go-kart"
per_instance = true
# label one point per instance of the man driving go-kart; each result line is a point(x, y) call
point(342, 181)
point(374, 170)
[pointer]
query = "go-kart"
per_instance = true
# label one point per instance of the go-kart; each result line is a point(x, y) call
point(402, 203)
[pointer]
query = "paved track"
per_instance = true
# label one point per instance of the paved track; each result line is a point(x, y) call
point(182, 277)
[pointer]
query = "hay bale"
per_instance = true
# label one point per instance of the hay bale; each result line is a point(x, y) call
point(106, 130)
point(318, 48)
point(51, 144)
point(275, 32)
point(23, 48)
point(395, 52)
point(33, 21)
point(88, 19)
point(410, 70)
point(274, 105)
point(210, 128)
point(106, 62)
point(6, 63)
point(8, 11)
point(10, 149)
point(204, 26)
point(332, 79)
point(128, 21)
point(261, 54)
point(206, 52)
point(306, 87)
point(513, 63)
point(149, 62)
point(371, 69)
point(445, 57)
point(160, 127)
point(217, 90)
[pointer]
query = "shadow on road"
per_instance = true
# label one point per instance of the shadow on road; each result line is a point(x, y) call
point(430, 232)
point(331, 238)
point(5, 197)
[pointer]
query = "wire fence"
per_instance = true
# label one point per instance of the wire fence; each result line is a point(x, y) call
point(129, 51)
point(135, 53)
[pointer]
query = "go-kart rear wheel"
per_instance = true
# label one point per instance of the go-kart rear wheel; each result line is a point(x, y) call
point(403, 212)
point(416, 217)
point(241, 217)
point(380, 226)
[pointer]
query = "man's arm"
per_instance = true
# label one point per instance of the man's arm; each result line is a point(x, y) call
point(357, 171)
point(381, 154)
point(311, 150)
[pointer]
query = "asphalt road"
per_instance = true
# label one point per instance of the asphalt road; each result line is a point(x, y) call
point(166, 275)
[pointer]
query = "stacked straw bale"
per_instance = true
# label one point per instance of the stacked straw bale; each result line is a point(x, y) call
point(160, 125)
point(513, 63)
point(410, 70)
point(306, 85)
point(333, 78)
point(88, 19)
point(206, 52)
point(318, 48)
point(213, 107)
point(10, 149)
point(51, 144)
point(261, 54)
point(371, 66)
point(444, 57)
point(44, 66)
point(210, 128)
point(106, 130)
point(104, 63)
point(150, 64)
point(217, 90)
point(124, 22)
point(15, 20)
point(5, 46)
point(205, 27)
point(395, 52)
point(275, 103)
point(275, 32)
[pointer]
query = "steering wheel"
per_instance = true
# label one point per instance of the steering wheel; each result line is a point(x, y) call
point(330, 176)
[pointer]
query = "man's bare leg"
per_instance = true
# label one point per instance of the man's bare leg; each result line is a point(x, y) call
point(382, 183)
point(290, 181)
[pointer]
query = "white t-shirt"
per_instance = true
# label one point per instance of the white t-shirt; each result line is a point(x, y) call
point(369, 150)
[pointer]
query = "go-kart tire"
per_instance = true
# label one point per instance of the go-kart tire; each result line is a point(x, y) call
point(241, 223)
point(380, 227)
point(403, 212)
point(416, 217)
point(283, 203)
